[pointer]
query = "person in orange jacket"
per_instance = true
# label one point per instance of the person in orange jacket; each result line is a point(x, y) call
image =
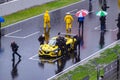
point(46, 19)
point(68, 20)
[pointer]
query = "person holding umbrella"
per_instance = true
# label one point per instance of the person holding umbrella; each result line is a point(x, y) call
point(81, 22)
point(103, 23)
point(68, 20)
point(46, 19)
point(81, 14)
point(102, 19)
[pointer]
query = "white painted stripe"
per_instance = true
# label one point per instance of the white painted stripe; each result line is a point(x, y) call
point(13, 32)
point(91, 11)
point(41, 14)
point(32, 34)
point(35, 59)
point(83, 61)
point(57, 59)
point(72, 10)
point(97, 27)
point(33, 56)
point(8, 35)
point(15, 37)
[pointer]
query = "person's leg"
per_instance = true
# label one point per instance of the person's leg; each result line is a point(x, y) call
point(48, 25)
point(79, 28)
point(82, 26)
point(67, 27)
point(13, 56)
point(102, 27)
point(44, 25)
point(70, 26)
point(18, 55)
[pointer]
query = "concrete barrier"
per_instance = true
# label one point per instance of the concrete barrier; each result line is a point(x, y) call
point(17, 5)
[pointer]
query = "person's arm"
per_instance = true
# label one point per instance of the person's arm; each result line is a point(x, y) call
point(48, 18)
point(65, 18)
point(72, 18)
point(16, 45)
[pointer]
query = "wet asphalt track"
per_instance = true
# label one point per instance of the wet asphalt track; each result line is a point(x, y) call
point(30, 67)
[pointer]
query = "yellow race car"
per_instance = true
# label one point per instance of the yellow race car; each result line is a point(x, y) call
point(52, 49)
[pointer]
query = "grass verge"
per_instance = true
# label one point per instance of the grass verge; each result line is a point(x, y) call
point(36, 10)
point(90, 69)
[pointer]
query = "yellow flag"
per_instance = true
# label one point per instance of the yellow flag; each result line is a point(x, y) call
point(119, 3)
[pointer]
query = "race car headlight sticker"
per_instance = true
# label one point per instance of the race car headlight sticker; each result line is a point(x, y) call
point(40, 49)
point(56, 51)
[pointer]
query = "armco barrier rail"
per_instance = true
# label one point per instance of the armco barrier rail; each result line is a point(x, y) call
point(17, 5)
point(97, 54)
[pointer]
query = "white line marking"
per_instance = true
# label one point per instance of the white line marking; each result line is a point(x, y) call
point(15, 37)
point(33, 56)
point(13, 32)
point(8, 35)
point(72, 10)
point(96, 27)
point(91, 11)
point(36, 59)
point(32, 34)
point(83, 61)
point(57, 59)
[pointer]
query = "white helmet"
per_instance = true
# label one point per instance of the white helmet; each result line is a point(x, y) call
point(68, 13)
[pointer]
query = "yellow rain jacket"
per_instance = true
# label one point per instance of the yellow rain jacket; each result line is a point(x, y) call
point(46, 17)
point(68, 19)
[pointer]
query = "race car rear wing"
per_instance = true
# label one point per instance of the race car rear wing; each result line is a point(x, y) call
point(67, 34)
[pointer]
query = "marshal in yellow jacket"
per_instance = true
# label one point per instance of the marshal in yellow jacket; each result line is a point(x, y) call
point(68, 20)
point(46, 19)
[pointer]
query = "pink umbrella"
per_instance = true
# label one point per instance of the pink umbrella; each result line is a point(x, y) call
point(81, 13)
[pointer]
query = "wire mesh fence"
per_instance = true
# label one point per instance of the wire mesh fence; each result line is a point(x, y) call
point(110, 72)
